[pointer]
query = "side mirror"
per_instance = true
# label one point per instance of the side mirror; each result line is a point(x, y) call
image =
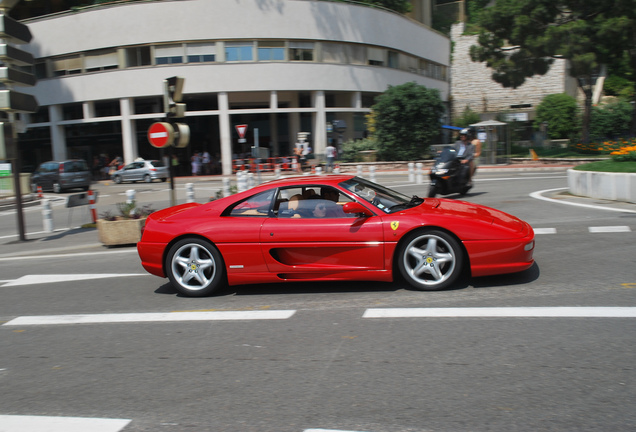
point(356, 208)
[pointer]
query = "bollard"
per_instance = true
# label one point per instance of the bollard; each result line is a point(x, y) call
point(47, 215)
point(91, 204)
point(336, 170)
point(277, 171)
point(418, 173)
point(411, 172)
point(241, 181)
point(372, 173)
point(359, 168)
point(319, 170)
point(226, 187)
point(130, 196)
point(294, 165)
point(250, 180)
point(189, 192)
point(40, 196)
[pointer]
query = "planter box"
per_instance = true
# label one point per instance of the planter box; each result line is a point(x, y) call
point(120, 232)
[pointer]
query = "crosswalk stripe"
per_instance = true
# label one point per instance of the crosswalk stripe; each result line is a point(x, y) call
point(17, 423)
point(150, 317)
point(504, 312)
point(545, 230)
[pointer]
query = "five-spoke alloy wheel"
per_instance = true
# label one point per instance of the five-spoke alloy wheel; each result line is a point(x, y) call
point(430, 260)
point(195, 267)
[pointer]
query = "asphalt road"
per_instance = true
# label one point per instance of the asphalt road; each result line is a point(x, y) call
point(329, 356)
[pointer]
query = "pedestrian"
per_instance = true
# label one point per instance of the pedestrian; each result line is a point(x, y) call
point(205, 160)
point(476, 143)
point(175, 164)
point(330, 153)
point(196, 163)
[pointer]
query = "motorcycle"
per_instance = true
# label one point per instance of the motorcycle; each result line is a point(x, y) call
point(448, 174)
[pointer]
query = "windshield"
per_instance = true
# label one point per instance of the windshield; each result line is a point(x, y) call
point(447, 154)
point(381, 197)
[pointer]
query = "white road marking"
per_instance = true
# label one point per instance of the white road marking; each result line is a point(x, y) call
point(69, 255)
point(539, 195)
point(46, 279)
point(545, 230)
point(504, 312)
point(150, 317)
point(16, 423)
point(609, 229)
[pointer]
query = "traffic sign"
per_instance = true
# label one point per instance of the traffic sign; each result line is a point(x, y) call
point(161, 134)
point(241, 129)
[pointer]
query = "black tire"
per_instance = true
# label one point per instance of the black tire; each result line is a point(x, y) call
point(430, 260)
point(147, 178)
point(117, 179)
point(195, 267)
point(432, 191)
point(163, 179)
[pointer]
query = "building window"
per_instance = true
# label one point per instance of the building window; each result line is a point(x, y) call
point(301, 51)
point(101, 60)
point(334, 53)
point(393, 61)
point(375, 56)
point(107, 108)
point(271, 51)
point(138, 56)
point(168, 54)
point(67, 66)
point(201, 52)
point(239, 51)
point(40, 69)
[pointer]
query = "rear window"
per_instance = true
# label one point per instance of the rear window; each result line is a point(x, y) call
point(75, 166)
point(157, 164)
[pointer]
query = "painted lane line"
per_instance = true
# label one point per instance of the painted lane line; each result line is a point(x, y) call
point(505, 312)
point(16, 423)
point(70, 255)
point(539, 195)
point(545, 230)
point(46, 279)
point(150, 317)
point(609, 229)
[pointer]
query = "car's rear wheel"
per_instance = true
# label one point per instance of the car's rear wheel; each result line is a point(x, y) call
point(430, 260)
point(195, 267)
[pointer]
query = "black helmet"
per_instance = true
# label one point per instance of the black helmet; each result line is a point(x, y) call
point(465, 131)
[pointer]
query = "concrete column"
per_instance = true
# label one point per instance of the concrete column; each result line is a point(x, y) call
point(128, 130)
point(226, 132)
point(294, 125)
point(58, 135)
point(319, 123)
point(88, 109)
point(273, 123)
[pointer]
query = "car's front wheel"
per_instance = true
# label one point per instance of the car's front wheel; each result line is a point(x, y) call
point(195, 267)
point(430, 260)
point(117, 179)
point(147, 178)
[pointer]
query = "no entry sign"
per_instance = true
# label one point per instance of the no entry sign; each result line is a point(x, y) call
point(161, 134)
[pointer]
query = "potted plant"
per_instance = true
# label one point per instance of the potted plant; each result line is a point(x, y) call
point(125, 228)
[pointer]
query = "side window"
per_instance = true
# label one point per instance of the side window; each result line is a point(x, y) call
point(311, 202)
point(257, 205)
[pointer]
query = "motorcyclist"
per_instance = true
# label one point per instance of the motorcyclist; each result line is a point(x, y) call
point(465, 152)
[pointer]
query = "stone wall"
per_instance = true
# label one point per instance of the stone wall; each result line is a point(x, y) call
point(471, 83)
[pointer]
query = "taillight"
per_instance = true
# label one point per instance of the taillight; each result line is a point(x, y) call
point(153, 169)
point(61, 168)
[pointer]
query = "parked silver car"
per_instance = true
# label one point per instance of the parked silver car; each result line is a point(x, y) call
point(147, 170)
point(59, 176)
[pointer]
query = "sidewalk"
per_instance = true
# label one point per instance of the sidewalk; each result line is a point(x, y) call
point(85, 240)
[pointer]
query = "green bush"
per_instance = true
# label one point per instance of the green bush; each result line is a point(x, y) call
point(560, 112)
point(351, 149)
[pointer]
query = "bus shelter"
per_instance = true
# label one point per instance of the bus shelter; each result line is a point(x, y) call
point(495, 141)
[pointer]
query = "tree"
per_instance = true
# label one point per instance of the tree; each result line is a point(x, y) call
point(559, 111)
point(467, 118)
point(521, 38)
point(407, 120)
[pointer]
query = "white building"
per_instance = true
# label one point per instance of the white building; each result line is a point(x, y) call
point(279, 66)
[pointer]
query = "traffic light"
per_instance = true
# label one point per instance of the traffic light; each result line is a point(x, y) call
point(172, 96)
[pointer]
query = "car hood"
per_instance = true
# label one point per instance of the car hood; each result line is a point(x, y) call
point(481, 214)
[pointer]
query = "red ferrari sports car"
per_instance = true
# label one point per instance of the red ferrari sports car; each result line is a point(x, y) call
point(330, 228)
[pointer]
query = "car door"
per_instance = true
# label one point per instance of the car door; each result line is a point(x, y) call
point(306, 245)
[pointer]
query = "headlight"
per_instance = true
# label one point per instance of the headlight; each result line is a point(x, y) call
point(441, 171)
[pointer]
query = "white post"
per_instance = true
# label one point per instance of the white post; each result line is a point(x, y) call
point(359, 168)
point(189, 192)
point(130, 196)
point(319, 170)
point(277, 171)
point(47, 215)
point(418, 173)
point(372, 173)
point(226, 187)
point(411, 172)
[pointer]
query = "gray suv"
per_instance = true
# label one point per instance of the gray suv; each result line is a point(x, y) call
point(60, 176)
